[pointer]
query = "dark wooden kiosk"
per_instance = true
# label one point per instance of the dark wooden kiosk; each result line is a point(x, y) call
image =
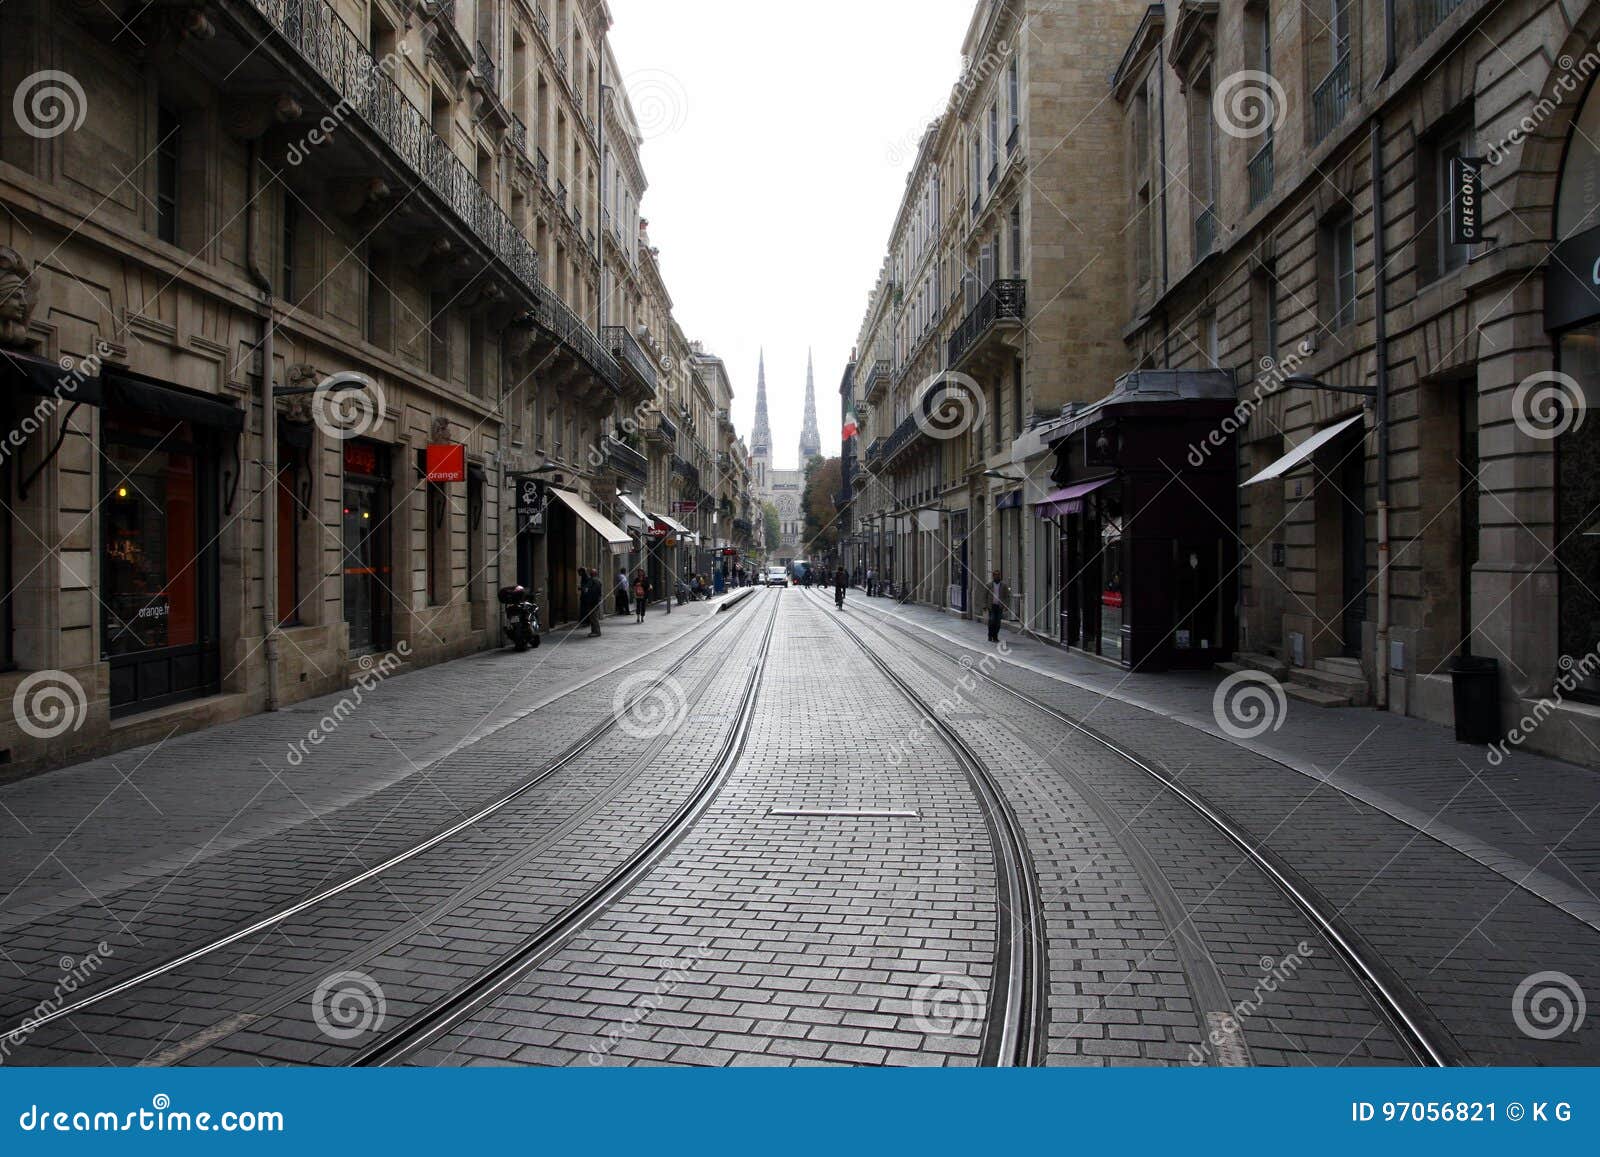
point(1147, 508)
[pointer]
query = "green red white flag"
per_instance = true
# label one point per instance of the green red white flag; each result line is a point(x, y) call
point(850, 426)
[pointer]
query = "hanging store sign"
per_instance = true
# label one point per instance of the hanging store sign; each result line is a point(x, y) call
point(681, 507)
point(1466, 200)
point(531, 500)
point(446, 462)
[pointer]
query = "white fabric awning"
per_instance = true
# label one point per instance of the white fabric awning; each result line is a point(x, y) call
point(634, 510)
point(1303, 451)
point(676, 526)
point(616, 538)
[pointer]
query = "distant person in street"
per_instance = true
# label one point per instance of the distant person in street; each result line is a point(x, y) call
point(999, 596)
point(871, 579)
point(841, 580)
point(622, 592)
point(641, 594)
point(589, 597)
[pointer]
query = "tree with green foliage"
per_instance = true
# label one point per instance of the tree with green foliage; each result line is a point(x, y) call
point(769, 515)
point(824, 480)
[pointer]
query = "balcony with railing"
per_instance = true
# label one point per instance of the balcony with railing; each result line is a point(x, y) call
point(876, 376)
point(636, 364)
point(541, 21)
point(1261, 174)
point(1205, 232)
point(519, 136)
point(487, 68)
point(626, 462)
point(561, 193)
point(314, 32)
point(660, 428)
point(998, 313)
point(1331, 100)
point(686, 470)
point(541, 165)
point(562, 332)
point(1432, 13)
point(874, 452)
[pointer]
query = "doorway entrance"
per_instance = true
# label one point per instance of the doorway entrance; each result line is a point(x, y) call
point(367, 567)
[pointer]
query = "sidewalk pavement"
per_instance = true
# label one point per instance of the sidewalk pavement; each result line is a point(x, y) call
point(76, 833)
point(1533, 820)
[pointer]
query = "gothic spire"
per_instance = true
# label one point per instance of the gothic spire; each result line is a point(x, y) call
point(810, 440)
point(761, 436)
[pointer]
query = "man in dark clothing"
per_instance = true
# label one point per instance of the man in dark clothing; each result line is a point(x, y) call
point(841, 580)
point(589, 597)
point(999, 596)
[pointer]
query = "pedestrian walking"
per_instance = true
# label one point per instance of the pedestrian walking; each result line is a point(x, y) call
point(623, 588)
point(641, 594)
point(999, 597)
point(872, 579)
point(841, 580)
point(589, 598)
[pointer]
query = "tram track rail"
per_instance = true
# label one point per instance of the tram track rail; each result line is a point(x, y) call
point(428, 1027)
point(1015, 1027)
point(280, 915)
point(1406, 1015)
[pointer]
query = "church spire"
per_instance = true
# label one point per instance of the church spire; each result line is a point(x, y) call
point(810, 440)
point(761, 436)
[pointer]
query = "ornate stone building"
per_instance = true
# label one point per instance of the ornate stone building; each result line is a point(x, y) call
point(418, 222)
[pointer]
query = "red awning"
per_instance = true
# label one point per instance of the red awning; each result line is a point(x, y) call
point(1067, 500)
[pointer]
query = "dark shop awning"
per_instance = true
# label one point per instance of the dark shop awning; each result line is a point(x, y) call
point(44, 378)
point(137, 392)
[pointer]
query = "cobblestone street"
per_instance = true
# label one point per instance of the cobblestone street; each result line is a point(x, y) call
point(765, 831)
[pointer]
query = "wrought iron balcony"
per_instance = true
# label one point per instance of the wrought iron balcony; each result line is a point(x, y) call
point(519, 135)
point(624, 460)
point(631, 357)
point(486, 67)
point(541, 21)
point(876, 375)
point(1432, 13)
point(541, 165)
point(588, 238)
point(561, 193)
point(1016, 135)
point(686, 470)
point(315, 32)
point(1005, 303)
point(1205, 232)
point(875, 451)
point(1331, 100)
point(994, 174)
point(660, 428)
point(1260, 173)
point(566, 329)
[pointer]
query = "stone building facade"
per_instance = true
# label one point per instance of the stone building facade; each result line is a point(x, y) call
point(1290, 189)
point(419, 223)
point(989, 314)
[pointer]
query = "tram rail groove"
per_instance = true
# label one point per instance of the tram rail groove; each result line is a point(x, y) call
point(1405, 1013)
point(278, 916)
point(1015, 1030)
point(422, 1030)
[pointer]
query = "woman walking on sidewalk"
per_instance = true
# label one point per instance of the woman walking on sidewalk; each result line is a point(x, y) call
point(641, 594)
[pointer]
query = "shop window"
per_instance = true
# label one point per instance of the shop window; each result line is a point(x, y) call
point(1578, 506)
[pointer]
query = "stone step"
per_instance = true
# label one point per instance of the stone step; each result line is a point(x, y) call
point(1349, 668)
point(1255, 661)
point(1311, 695)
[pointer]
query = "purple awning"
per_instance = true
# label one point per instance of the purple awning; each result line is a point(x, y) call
point(1067, 500)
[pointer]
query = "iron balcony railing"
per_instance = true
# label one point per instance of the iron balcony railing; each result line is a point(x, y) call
point(879, 373)
point(625, 460)
point(1003, 301)
point(568, 329)
point(1432, 13)
point(315, 31)
point(1260, 173)
point(874, 451)
point(668, 428)
point(1331, 100)
point(519, 135)
point(904, 434)
point(561, 193)
point(629, 353)
point(1205, 232)
point(1016, 135)
point(588, 237)
point(686, 470)
point(994, 174)
point(486, 67)
point(541, 21)
point(541, 164)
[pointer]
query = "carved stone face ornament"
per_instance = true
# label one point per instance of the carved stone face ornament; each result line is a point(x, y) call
point(19, 291)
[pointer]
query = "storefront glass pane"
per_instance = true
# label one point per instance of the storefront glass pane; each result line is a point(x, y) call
point(1578, 504)
point(151, 541)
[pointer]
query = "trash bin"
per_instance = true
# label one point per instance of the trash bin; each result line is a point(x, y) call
point(1475, 684)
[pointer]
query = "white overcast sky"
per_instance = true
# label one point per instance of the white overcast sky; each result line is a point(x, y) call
point(777, 140)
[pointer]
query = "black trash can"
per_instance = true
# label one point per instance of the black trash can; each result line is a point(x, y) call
point(1475, 683)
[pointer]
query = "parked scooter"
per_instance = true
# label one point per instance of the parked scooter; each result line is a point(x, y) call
point(522, 617)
